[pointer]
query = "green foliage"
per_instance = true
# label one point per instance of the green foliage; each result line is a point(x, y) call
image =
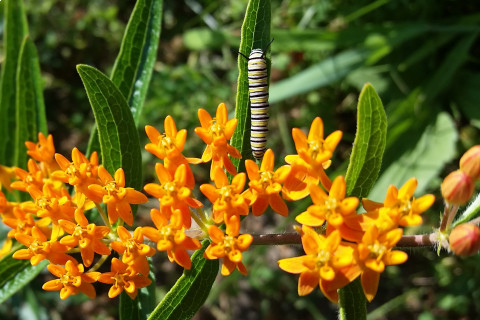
point(369, 144)
point(134, 64)
point(30, 108)
point(15, 274)
point(15, 31)
point(120, 147)
point(190, 291)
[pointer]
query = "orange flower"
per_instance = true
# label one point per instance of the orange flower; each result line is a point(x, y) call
point(404, 209)
point(173, 193)
point(375, 252)
point(86, 235)
point(266, 185)
point(21, 222)
point(216, 133)
point(227, 198)
point(72, 280)
point(314, 153)
point(116, 196)
point(134, 252)
point(332, 207)
point(34, 176)
point(171, 237)
point(229, 246)
point(327, 263)
point(80, 173)
point(38, 248)
point(169, 147)
point(123, 278)
point(43, 151)
point(50, 203)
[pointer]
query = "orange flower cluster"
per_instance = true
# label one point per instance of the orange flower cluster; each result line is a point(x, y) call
point(354, 244)
point(53, 225)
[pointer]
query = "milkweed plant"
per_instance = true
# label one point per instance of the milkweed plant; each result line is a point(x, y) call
point(73, 213)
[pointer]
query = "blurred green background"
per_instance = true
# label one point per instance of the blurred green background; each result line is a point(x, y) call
point(421, 56)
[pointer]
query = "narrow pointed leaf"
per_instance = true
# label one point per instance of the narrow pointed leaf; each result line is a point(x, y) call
point(30, 107)
point(255, 35)
point(15, 274)
point(190, 291)
point(369, 144)
point(15, 31)
point(119, 143)
point(134, 64)
point(352, 302)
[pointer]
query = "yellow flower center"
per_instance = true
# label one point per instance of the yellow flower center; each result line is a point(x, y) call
point(377, 250)
point(119, 280)
point(315, 148)
point(44, 203)
point(71, 170)
point(322, 258)
point(167, 143)
point(37, 247)
point(78, 231)
point(67, 279)
point(229, 243)
point(266, 179)
point(111, 188)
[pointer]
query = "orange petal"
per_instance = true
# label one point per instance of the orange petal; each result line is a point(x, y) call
point(307, 282)
point(370, 281)
point(293, 265)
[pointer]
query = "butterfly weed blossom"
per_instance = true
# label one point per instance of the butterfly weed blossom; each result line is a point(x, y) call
point(340, 243)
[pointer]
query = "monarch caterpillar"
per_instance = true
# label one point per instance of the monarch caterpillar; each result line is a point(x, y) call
point(258, 90)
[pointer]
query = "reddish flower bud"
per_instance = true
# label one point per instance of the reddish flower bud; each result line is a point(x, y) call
point(457, 188)
point(465, 239)
point(470, 162)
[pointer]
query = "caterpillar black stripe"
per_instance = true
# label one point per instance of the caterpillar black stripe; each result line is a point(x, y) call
point(258, 89)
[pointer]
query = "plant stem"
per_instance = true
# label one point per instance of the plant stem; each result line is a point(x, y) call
point(104, 216)
point(420, 240)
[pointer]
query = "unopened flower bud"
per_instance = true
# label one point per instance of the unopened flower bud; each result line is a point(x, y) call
point(470, 162)
point(457, 187)
point(465, 239)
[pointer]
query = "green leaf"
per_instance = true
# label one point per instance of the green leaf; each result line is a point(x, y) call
point(352, 302)
point(134, 64)
point(424, 160)
point(324, 73)
point(119, 143)
point(15, 31)
point(190, 291)
point(15, 274)
point(369, 143)
point(255, 34)
point(30, 107)
point(143, 304)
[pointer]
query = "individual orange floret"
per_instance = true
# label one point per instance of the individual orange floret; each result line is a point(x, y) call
point(171, 237)
point(313, 156)
point(216, 133)
point(375, 252)
point(173, 193)
point(34, 176)
point(22, 222)
point(134, 252)
point(227, 198)
point(122, 277)
point(38, 248)
point(87, 236)
point(80, 172)
point(404, 208)
point(327, 263)
point(72, 280)
point(50, 203)
point(331, 208)
point(266, 184)
point(169, 147)
point(228, 246)
point(116, 196)
point(43, 151)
